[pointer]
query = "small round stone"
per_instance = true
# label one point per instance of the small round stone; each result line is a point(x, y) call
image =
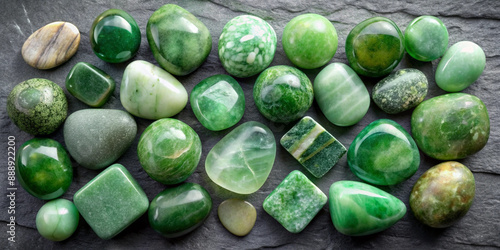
point(57, 220)
point(426, 38)
point(237, 216)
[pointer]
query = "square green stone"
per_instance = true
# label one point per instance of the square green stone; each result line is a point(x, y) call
point(89, 84)
point(111, 201)
point(295, 202)
point(316, 149)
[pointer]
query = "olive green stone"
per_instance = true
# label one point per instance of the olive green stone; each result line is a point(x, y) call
point(426, 38)
point(89, 84)
point(57, 219)
point(237, 216)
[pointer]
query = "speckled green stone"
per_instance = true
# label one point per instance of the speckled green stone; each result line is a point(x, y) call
point(89, 84)
point(451, 126)
point(375, 47)
point(400, 91)
point(443, 194)
point(283, 93)
point(57, 219)
point(246, 45)
point(37, 106)
point(237, 216)
point(295, 202)
point(426, 38)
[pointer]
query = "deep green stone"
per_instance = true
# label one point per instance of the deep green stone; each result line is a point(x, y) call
point(375, 47)
point(218, 102)
point(283, 93)
point(383, 153)
point(400, 91)
point(237, 216)
point(169, 151)
point(37, 106)
point(310, 41)
point(359, 209)
point(180, 42)
point(246, 45)
point(89, 84)
point(451, 126)
point(43, 168)
point(179, 210)
point(57, 219)
point(115, 36)
point(426, 38)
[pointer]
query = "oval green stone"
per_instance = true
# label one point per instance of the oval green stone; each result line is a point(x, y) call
point(426, 38)
point(237, 216)
point(57, 220)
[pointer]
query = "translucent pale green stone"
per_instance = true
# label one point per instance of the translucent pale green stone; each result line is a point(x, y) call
point(426, 38)
point(57, 219)
point(89, 84)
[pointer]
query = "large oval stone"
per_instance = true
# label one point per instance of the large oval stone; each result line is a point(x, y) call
point(426, 38)
point(237, 216)
point(243, 159)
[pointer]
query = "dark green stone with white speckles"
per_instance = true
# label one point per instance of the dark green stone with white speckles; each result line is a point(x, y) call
point(400, 91)
point(37, 106)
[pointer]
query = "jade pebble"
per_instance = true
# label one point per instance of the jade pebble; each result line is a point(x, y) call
point(426, 38)
point(90, 84)
point(237, 216)
point(57, 219)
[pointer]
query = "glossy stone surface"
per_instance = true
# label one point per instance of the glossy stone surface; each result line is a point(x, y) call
point(309, 41)
point(426, 38)
point(90, 84)
point(283, 93)
point(383, 153)
point(180, 42)
point(57, 219)
point(462, 64)
point(51, 45)
point(43, 168)
point(37, 106)
point(451, 126)
point(179, 210)
point(374, 47)
point(360, 209)
point(400, 91)
point(218, 102)
point(169, 151)
point(242, 160)
point(149, 92)
point(316, 149)
point(115, 36)
point(246, 45)
point(237, 216)
point(341, 95)
point(111, 201)
point(295, 202)
point(96, 138)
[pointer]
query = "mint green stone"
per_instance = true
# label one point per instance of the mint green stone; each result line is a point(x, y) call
point(89, 84)
point(359, 209)
point(426, 38)
point(57, 219)
point(295, 202)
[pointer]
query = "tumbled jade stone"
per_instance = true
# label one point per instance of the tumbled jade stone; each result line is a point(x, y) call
point(451, 126)
point(237, 216)
point(309, 41)
point(218, 102)
point(57, 219)
point(383, 153)
point(400, 91)
point(180, 42)
point(169, 151)
point(283, 93)
point(426, 38)
point(43, 168)
point(360, 209)
point(375, 47)
point(147, 91)
point(295, 202)
point(243, 159)
point(90, 84)
point(316, 149)
point(341, 95)
point(246, 45)
point(111, 201)
point(461, 65)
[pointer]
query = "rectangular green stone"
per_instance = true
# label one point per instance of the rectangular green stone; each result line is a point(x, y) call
point(111, 201)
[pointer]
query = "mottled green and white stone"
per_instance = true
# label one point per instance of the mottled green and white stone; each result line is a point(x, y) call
point(316, 149)
point(295, 202)
point(246, 45)
point(426, 38)
point(237, 216)
point(57, 219)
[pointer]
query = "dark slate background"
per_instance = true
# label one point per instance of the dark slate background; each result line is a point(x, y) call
point(476, 21)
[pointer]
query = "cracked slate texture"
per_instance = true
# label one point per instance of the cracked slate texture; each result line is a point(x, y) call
point(477, 21)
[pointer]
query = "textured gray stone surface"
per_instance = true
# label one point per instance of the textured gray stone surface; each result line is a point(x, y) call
point(477, 21)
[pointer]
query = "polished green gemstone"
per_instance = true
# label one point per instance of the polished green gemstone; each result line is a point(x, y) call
point(237, 216)
point(383, 153)
point(451, 126)
point(218, 102)
point(310, 41)
point(89, 84)
point(115, 36)
point(283, 93)
point(57, 219)
point(375, 47)
point(360, 209)
point(426, 38)
point(180, 42)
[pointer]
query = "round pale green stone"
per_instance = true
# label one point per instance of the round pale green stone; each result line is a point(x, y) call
point(237, 216)
point(426, 38)
point(57, 220)
point(310, 41)
point(246, 45)
point(90, 84)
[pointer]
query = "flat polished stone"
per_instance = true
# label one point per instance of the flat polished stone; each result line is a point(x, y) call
point(426, 38)
point(57, 219)
point(237, 216)
point(90, 84)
